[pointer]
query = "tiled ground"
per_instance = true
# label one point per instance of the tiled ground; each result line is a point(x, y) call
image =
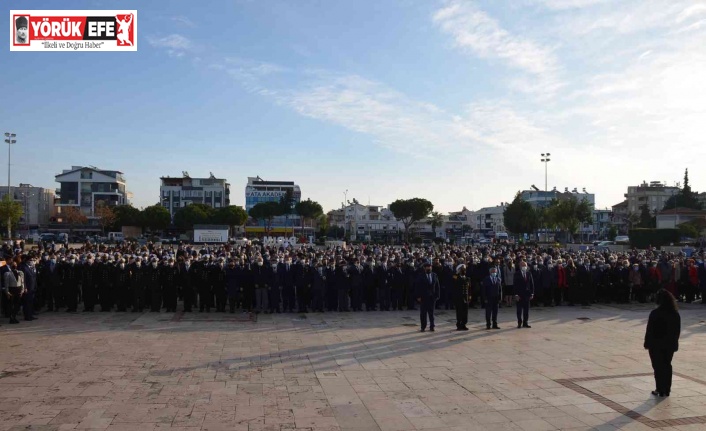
point(352, 371)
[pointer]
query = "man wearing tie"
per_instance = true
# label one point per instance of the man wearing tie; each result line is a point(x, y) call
point(492, 292)
point(524, 293)
point(428, 292)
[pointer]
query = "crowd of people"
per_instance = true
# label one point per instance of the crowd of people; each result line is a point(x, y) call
point(305, 278)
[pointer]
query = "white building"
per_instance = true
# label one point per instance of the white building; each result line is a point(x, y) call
point(37, 204)
point(654, 195)
point(366, 222)
point(85, 187)
point(490, 219)
point(672, 218)
point(177, 192)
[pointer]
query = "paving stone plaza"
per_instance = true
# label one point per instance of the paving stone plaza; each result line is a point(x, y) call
point(575, 369)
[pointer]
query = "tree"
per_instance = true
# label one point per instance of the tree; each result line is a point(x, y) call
point(73, 216)
point(156, 217)
point(285, 204)
point(685, 198)
point(322, 221)
point(568, 214)
point(126, 215)
point(520, 216)
point(409, 211)
point(436, 220)
point(646, 219)
point(10, 210)
point(688, 230)
point(632, 219)
point(192, 214)
point(231, 215)
point(106, 216)
point(612, 233)
point(266, 211)
point(308, 209)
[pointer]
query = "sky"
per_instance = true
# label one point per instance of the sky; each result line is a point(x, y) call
point(448, 100)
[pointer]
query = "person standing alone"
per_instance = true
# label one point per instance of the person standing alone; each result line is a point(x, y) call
point(662, 340)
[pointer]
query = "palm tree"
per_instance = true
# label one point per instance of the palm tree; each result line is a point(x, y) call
point(436, 220)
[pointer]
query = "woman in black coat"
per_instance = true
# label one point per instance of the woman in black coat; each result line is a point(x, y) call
point(662, 340)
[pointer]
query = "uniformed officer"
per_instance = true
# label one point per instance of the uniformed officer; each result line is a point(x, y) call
point(122, 285)
point(88, 285)
point(169, 287)
point(154, 286)
point(138, 286)
point(303, 281)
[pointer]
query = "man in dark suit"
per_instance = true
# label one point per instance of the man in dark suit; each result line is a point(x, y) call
point(286, 276)
point(524, 292)
point(428, 292)
point(492, 291)
point(585, 279)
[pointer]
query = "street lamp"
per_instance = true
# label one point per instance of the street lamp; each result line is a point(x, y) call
point(545, 159)
point(9, 140)
point(345, 216)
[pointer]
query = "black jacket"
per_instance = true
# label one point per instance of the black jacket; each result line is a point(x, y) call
point(663, 328)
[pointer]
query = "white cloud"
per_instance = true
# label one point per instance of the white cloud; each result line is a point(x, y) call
point(176, 45)
point(183, 21)
point(571, 4)
point(391, 118)
point(477, 32)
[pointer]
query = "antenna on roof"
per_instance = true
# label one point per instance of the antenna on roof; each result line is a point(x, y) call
point(213, 177)
point(185, 174)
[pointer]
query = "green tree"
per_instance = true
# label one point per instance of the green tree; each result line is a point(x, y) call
point(10, 210)
point(646, 218)
point(286, 203)
point(266, 211)
point(193, 214)
point(126, 215)
point(308, 210)
point(688, 230)
point(685, 198)
point(156, 217)
point(520, 216)
point(612, 233)
point(436, 219)
point(231, 215)
point(322, 221)
point(568, 213)
point(409, 211)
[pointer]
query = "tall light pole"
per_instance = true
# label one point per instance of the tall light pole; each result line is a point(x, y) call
point(545, 159)
point(345, 216)
point(9, 140)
